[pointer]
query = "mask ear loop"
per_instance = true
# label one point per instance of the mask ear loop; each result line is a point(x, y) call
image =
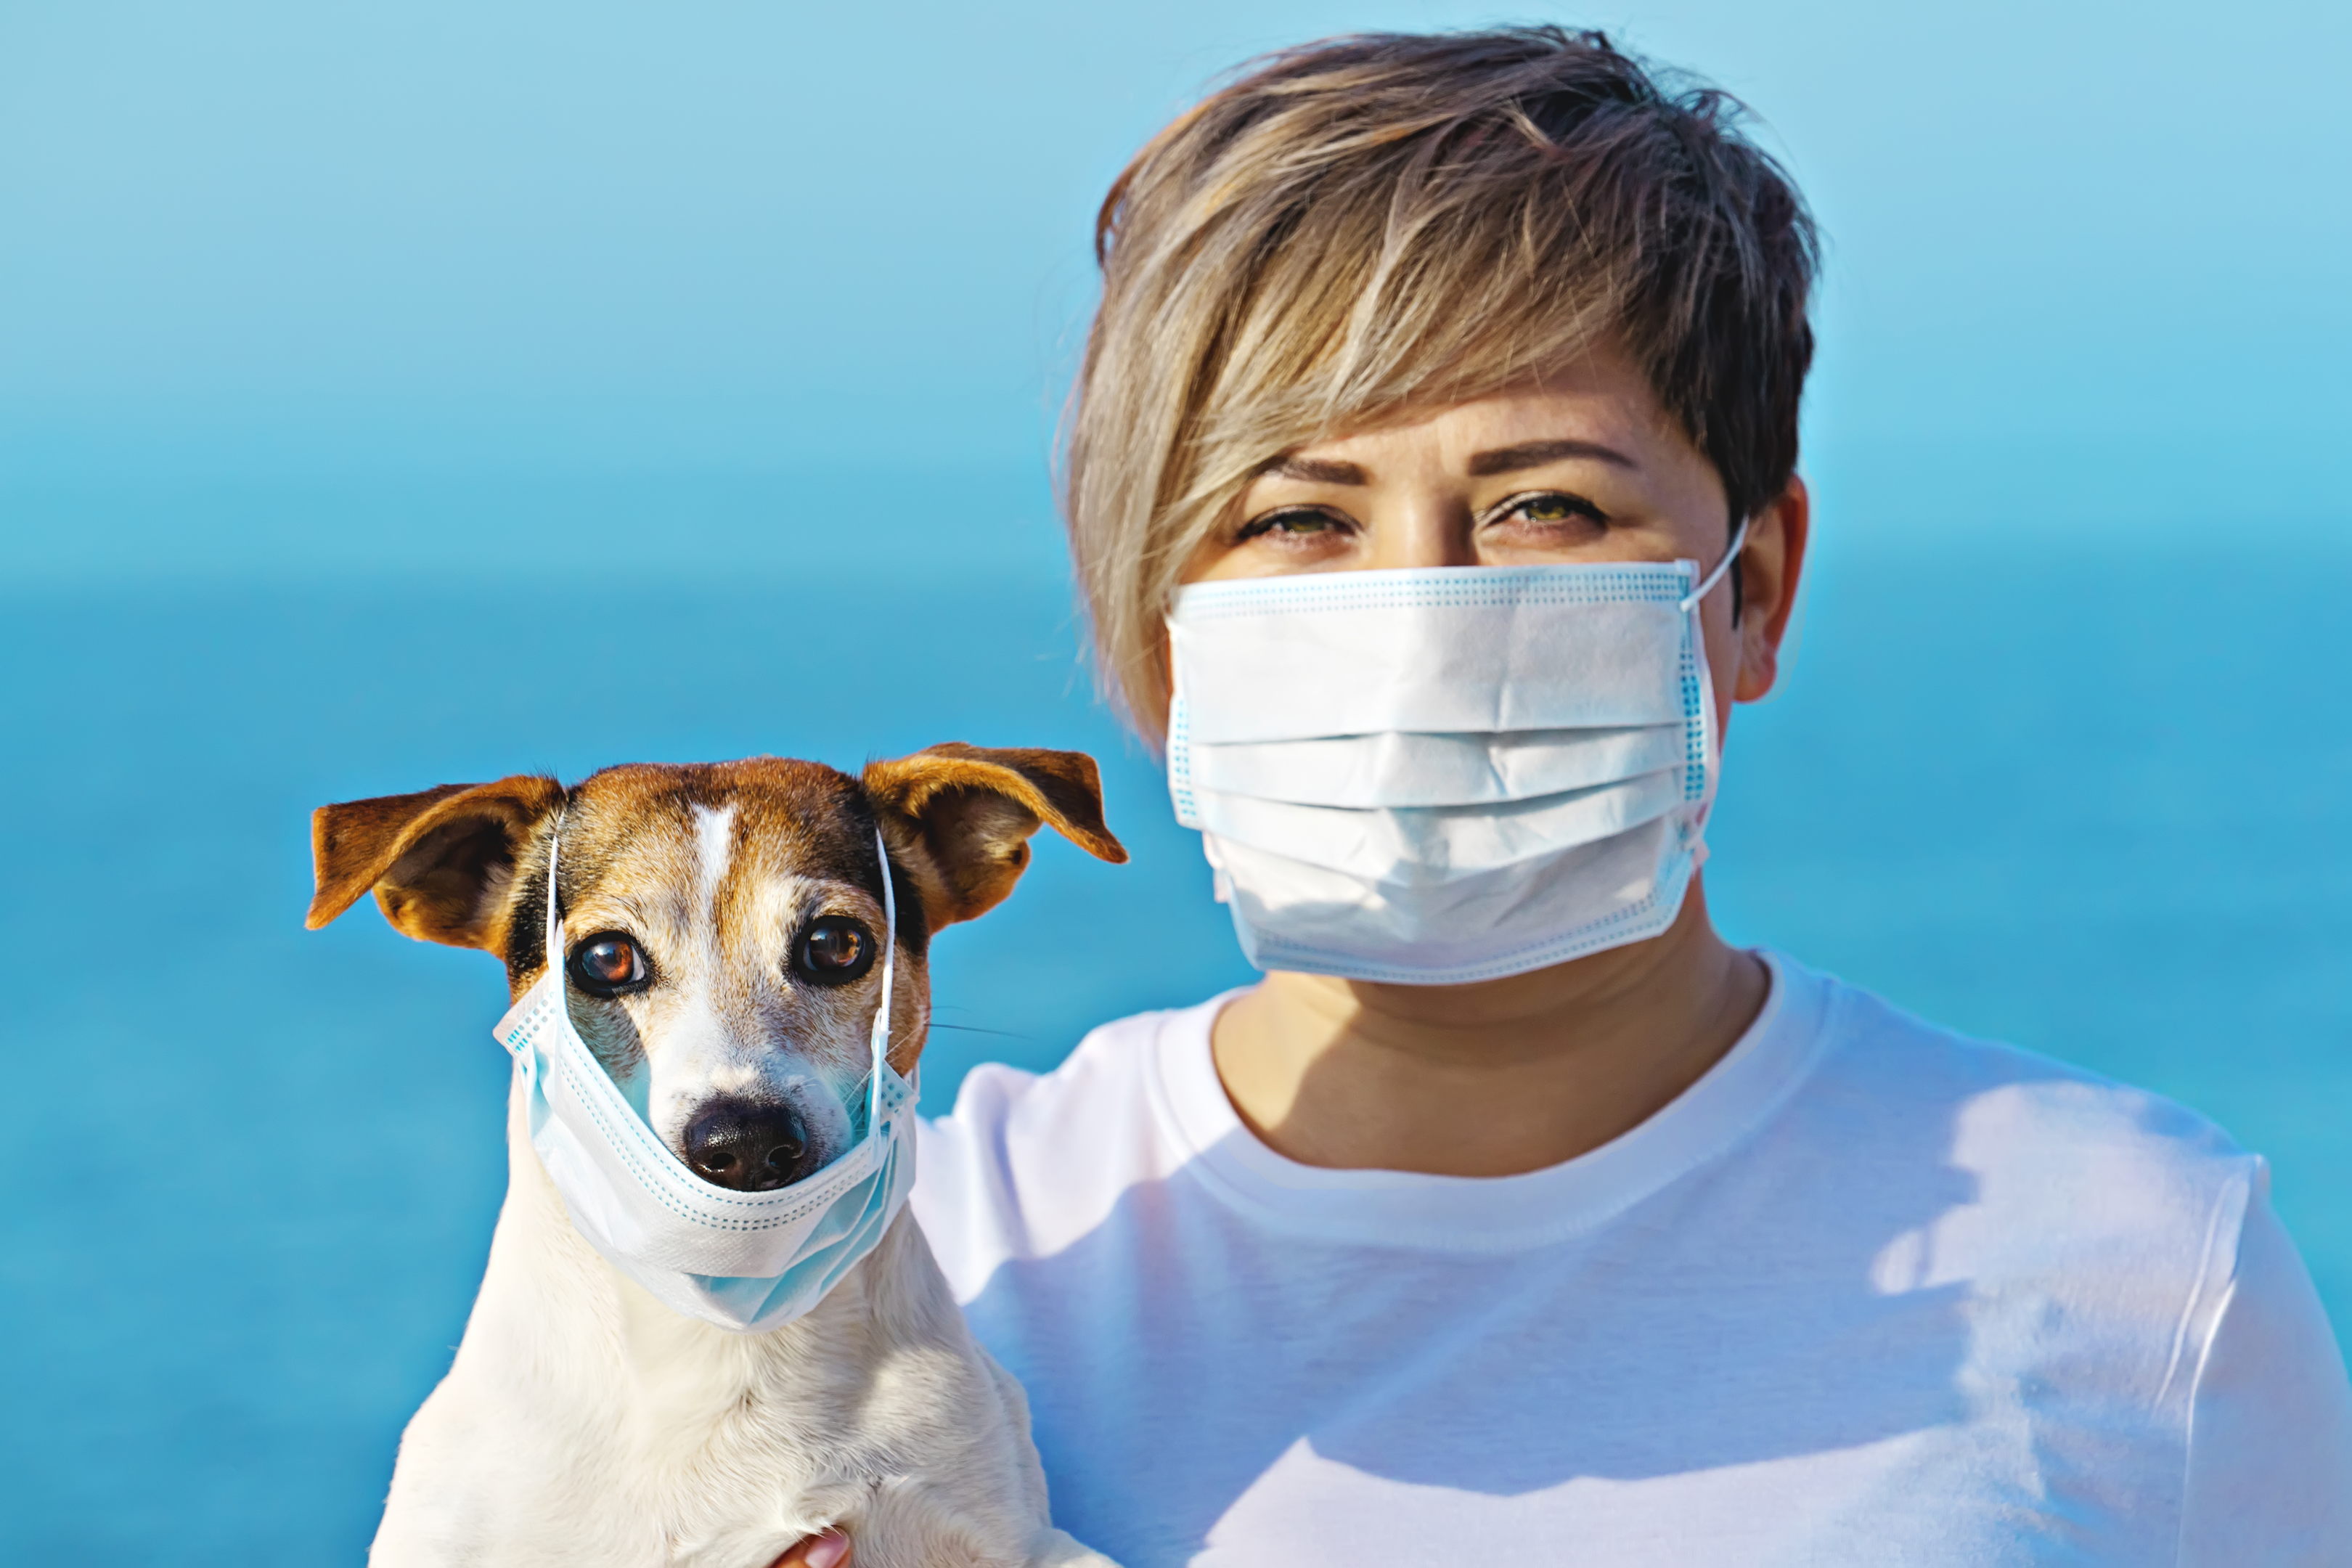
point(554, 926)
point(1738, 539)
point(881, 1041)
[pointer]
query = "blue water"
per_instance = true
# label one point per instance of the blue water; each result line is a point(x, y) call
point(2087, 802)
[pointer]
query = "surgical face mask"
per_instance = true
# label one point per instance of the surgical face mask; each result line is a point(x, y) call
point(745, 1261)
point(1437, 776)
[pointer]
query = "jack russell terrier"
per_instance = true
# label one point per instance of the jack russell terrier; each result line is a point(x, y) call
point(708, 936)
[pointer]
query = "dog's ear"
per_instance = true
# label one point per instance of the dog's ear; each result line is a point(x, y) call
point(969, 811)
point(441, 861)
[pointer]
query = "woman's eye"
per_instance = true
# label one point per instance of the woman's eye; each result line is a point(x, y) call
point(1549, 507)
point(834, 951)
point(1290, 522)
point(609, 964)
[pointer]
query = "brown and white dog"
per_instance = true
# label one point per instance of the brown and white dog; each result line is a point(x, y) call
point(720, 920)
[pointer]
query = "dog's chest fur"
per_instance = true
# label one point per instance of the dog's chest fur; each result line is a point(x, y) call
point(585, 1424)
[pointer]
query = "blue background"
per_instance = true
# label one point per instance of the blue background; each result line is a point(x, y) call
point(398, 394)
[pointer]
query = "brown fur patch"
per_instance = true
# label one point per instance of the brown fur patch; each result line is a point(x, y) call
point(440, 860)
point(968, 813)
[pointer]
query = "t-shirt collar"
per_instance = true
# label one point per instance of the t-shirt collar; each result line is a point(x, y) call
point(1486, 1214)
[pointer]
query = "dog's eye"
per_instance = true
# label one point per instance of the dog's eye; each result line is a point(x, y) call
point(834, 951)
point(610, 964)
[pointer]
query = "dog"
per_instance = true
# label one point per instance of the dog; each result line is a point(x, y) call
point(584, 1423)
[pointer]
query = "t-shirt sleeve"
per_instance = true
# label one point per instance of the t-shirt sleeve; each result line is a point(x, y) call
point(2270, 1435)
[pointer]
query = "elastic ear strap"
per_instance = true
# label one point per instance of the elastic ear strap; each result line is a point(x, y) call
point(555, 926)
point(889, 954)
point(1738, 538)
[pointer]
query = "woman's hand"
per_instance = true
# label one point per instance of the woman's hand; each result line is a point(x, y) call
point(830, 1549)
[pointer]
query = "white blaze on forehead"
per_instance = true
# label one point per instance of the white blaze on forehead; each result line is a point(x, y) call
point(714, 845)
point(701, 1052)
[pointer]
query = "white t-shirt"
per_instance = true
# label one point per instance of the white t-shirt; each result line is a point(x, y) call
point(1867, 1293)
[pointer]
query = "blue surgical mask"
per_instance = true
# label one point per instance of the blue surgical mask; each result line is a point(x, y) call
point(744, 1261)
point(1439, 776)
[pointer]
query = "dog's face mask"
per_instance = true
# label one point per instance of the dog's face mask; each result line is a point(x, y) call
point(722, 923)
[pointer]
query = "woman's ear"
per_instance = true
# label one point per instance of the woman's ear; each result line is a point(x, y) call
point(1770, 568)
point(966, 813)
point(441, 861)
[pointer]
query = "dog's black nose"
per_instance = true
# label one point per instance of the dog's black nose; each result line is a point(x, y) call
point(748, 1146)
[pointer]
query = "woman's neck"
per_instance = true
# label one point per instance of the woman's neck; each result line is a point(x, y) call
point(1491, 1079)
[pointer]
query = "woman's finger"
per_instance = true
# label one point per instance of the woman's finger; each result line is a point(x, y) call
point(830, 1549)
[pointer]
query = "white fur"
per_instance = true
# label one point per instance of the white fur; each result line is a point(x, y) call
point(714, 847)
point(695, 1053)
point(585, 1424)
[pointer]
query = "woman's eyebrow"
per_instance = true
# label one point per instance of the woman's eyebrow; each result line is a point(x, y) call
point(1536, 454)
point(1316, 472)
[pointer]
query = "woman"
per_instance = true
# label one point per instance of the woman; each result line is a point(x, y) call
point(1515, 1216)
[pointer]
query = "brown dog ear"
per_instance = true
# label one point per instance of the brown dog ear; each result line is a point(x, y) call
point(971, 811)
point(440, 860)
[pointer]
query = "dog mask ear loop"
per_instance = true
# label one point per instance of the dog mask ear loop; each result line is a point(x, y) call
point(881, 1041)
point(554, 921)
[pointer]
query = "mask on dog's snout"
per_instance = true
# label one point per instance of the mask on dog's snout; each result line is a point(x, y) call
point(745, 1261)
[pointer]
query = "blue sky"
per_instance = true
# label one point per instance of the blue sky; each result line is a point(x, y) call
point(2088, 261)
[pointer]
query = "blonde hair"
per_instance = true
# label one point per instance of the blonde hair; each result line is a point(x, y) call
point(1387, 221)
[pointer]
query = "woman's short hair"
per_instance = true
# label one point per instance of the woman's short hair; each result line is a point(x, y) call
point(1387, 221)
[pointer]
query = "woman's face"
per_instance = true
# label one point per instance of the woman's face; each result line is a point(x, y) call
point(1583, 466)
